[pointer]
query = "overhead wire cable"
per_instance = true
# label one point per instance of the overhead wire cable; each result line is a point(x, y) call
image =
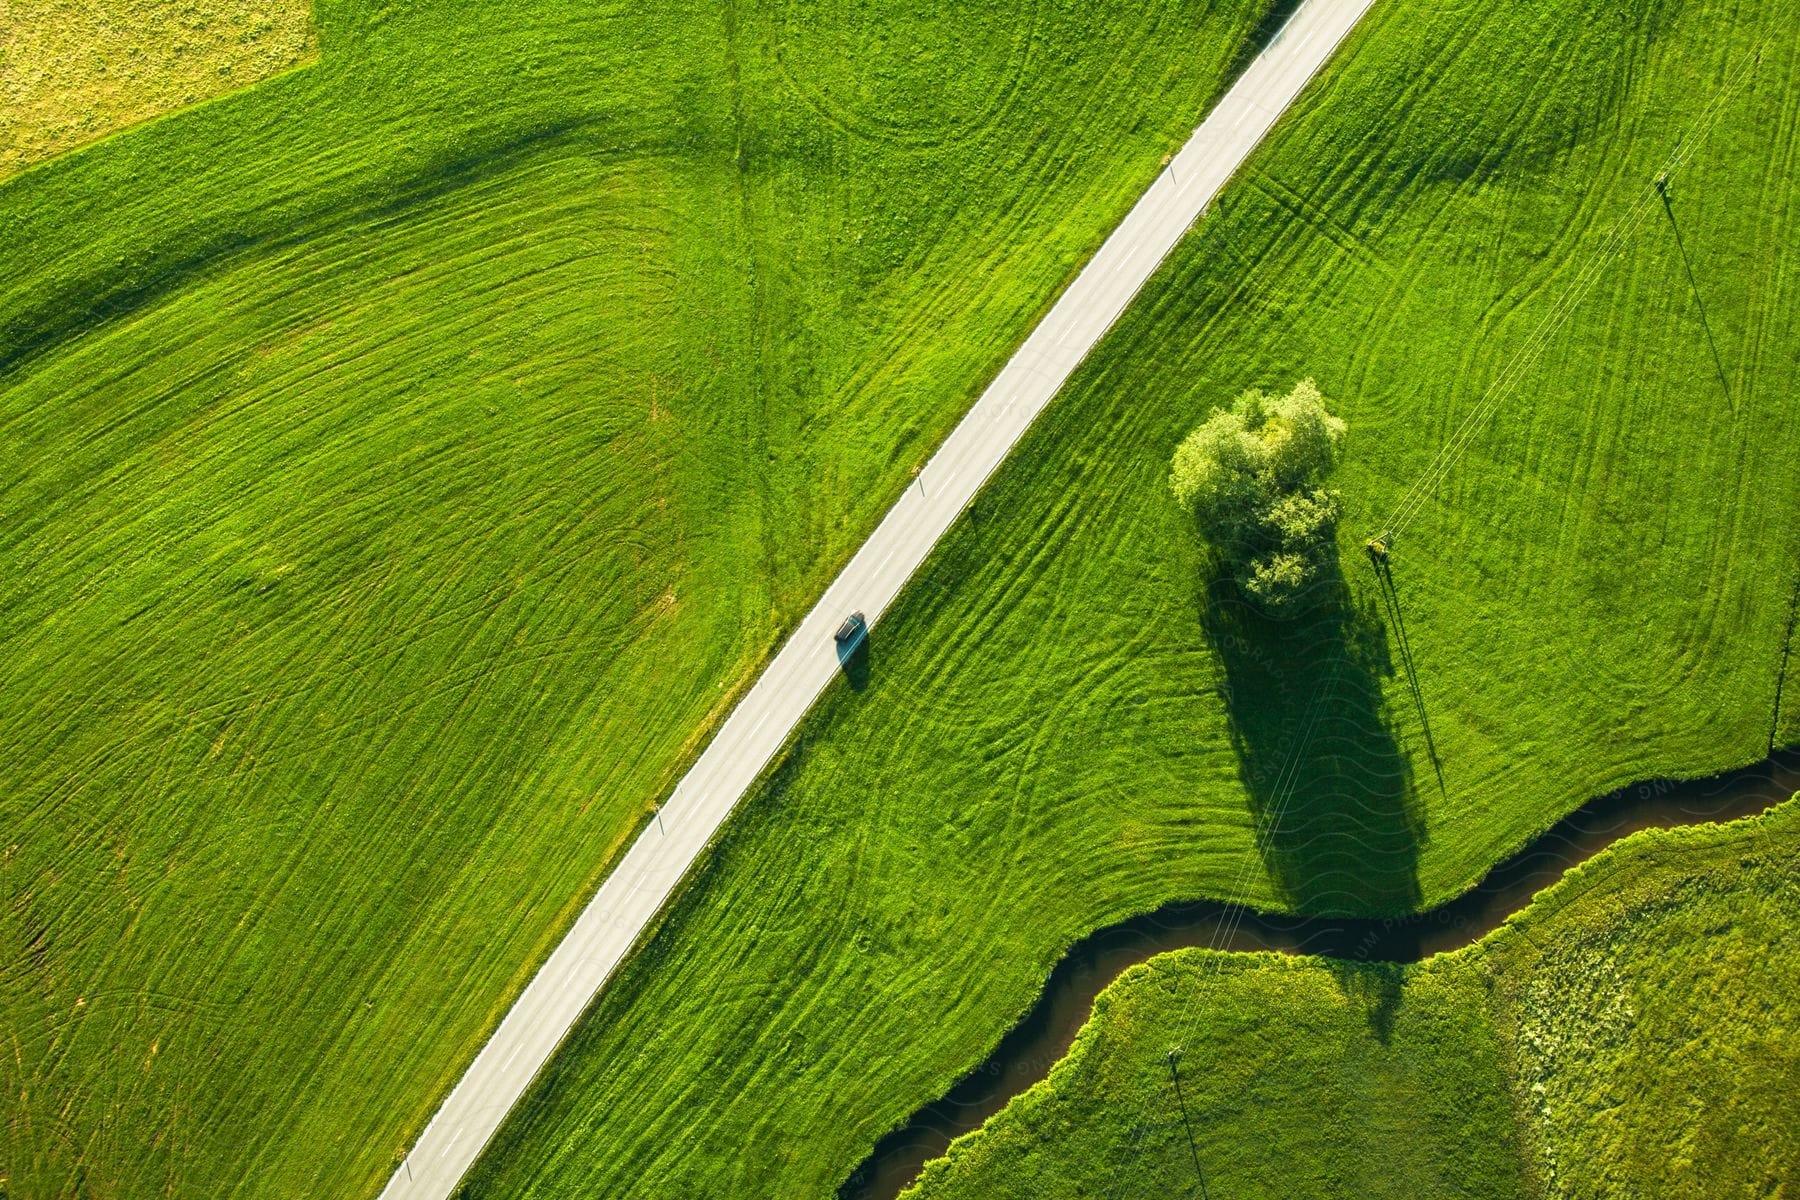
point(1236, 910)
point(1442, 463)
point(1566, 302)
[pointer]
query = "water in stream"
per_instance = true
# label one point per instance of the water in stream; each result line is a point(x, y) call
point(1026, 1054)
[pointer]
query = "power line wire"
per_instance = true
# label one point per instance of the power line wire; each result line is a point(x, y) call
point(1565, 304)
point(1446, 458)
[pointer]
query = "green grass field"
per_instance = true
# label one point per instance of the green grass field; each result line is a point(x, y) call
point(1626, 1035)
point(403, 463)
point(1063, 725)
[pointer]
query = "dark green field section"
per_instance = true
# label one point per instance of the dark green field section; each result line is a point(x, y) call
point(1625, 1035)
point(1064, 725)
point(403, 464)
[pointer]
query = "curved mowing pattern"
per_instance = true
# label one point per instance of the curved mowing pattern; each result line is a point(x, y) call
point(812, 657)
point(1044, 744)
point(925, 77)
point(403, 464)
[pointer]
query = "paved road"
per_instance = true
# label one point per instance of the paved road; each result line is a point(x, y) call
point(756, 728)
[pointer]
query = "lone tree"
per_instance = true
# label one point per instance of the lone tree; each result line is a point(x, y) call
point(1251, 476)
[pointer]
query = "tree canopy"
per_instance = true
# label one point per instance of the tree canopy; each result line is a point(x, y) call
point(1251, 475)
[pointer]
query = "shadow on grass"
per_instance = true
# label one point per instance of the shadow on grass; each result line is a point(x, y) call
point(1331, 793)
point(855, 664)
point(1273, 20)
point(1377, 985)
point(1390, 595)
point(1687, 264)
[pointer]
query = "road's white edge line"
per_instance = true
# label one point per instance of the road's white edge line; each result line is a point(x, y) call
point(631, 895)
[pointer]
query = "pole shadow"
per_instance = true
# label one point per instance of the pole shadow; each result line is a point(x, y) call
point(1332, 796)
point(1390, 597)
point(1174, 1061)
point(1662, 190)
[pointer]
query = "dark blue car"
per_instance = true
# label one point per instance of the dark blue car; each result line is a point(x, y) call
point(851, 634)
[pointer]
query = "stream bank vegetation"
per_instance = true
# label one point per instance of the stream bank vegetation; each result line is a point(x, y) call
point(1628, 1033)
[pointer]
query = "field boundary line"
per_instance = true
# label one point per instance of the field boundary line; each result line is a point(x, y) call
point(1787, 650)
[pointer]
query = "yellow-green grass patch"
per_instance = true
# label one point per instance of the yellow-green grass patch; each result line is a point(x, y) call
point(72, 71)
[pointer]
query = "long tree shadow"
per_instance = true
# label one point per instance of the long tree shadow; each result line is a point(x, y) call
point(1332, 796)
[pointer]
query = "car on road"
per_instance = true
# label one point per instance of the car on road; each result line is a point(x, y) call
point(851, 634)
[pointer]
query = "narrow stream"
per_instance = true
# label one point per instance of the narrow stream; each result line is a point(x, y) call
point(1026, 1054)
